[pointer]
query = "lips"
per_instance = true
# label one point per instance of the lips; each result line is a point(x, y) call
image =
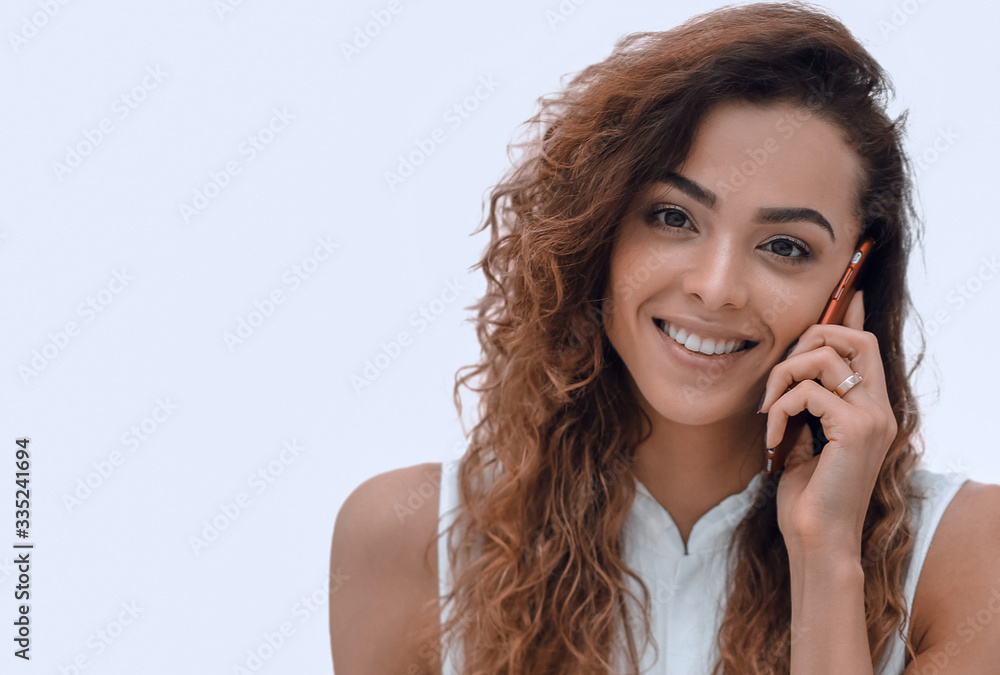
point(697, 364)
point(704, 345)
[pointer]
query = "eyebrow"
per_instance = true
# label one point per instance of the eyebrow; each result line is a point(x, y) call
point(765, 216)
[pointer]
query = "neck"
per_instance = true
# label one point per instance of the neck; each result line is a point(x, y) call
point(703, 458)
point(691, 468)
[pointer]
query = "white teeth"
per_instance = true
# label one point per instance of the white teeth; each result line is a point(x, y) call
point(698, 344)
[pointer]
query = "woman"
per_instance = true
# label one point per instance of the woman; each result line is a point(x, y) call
point(659, 257)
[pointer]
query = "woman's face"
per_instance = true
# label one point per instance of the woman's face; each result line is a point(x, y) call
point(741, 245)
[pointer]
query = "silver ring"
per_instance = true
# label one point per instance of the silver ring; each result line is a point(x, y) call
point(848, 384)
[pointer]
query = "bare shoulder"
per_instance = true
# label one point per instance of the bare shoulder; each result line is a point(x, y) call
point(379, 622)
point(956, 608)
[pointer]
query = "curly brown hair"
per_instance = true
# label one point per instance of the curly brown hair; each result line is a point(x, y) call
point(537, 544)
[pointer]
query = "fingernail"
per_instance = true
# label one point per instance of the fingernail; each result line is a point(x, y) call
point(761, 404)
point(770, 456)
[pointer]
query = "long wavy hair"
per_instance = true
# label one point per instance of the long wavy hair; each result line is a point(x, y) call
point(537, 545)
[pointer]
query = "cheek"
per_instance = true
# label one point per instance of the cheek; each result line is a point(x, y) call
point(791, 309)
point(784, 307)
point(642, 265)
point(628, 269)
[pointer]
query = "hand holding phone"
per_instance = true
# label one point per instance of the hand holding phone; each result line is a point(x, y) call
point(833, 313)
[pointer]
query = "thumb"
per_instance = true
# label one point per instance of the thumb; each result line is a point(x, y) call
point(801, 447)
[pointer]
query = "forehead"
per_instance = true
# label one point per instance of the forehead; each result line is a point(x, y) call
point(753, 156)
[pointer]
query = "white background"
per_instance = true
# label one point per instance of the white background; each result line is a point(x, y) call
point(161, 338)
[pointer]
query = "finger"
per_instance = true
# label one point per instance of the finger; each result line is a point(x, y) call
point(807, 395)
point(797, 436)
point(824, 363)
point(855, 316)
point(858, 348)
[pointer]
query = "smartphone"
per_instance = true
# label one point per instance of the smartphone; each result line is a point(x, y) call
point(833, 313)
point(836, 306)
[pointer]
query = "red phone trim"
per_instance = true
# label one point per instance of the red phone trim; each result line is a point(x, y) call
point(836, 306)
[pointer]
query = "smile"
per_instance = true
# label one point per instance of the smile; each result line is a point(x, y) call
point(703, 345)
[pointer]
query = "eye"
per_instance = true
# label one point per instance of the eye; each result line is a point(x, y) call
point(668, 217)
point(671, 217)
point(785, 248)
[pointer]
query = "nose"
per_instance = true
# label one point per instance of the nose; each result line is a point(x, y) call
point(717, 276)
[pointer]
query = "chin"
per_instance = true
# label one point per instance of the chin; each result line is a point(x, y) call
point(692, 406)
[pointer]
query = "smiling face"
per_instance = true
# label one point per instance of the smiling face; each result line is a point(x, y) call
point(735, 253)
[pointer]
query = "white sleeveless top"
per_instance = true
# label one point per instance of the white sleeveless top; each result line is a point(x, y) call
point(687, 589)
